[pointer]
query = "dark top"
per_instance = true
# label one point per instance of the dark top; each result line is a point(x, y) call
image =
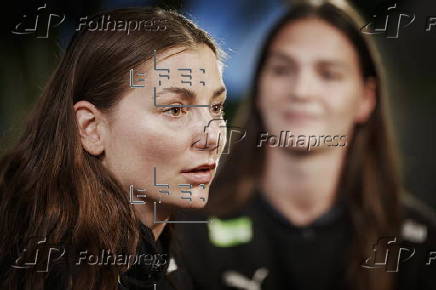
point(257, 248)
point(164, 273)
point(147, 273)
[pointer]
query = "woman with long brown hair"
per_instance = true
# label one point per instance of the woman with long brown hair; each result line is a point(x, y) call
point(311, 198)
point(119, 139)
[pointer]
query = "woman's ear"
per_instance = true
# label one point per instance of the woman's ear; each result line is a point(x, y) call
point(89, 120)
point(367, 101)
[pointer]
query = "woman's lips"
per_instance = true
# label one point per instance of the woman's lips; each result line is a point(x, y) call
point(299, 115)
point(198, 177)
point(201, 174)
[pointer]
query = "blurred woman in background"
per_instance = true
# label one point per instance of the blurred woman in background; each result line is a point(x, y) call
point(108, 135)
point(312, 198)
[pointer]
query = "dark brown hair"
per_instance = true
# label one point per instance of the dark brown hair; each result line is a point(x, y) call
point(50, 187)
point(370, 177)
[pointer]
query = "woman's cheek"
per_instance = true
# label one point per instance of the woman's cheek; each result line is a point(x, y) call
point(161, 145)
point(272, 88)
point(341, 108)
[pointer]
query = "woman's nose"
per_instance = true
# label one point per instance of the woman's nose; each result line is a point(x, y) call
point(303, 85)
point(209, 135)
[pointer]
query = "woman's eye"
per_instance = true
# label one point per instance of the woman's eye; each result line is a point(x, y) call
point(217, 109)
point(175, 111)
point(330, 75)
point(280, 70)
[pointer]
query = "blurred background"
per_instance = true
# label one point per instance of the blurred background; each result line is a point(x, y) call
point(27, 61)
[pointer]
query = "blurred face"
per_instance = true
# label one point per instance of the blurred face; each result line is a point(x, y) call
point(169, 154)
point(311, 83)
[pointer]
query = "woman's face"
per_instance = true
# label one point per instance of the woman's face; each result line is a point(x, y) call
point(311, 83)
point(158, 150)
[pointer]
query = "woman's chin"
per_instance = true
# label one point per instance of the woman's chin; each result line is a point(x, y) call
point(195, 200)
point(198, 204)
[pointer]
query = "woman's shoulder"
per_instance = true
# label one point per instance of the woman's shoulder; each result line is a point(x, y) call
point(419, 220)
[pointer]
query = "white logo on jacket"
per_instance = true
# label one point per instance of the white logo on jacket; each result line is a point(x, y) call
point(237, 280)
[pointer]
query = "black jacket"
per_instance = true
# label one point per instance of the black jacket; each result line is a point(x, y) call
point(257, 248)
point(161, 275)
point(148, 272)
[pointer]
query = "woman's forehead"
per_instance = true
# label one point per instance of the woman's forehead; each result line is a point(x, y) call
point(313, 38)
point(192, 67)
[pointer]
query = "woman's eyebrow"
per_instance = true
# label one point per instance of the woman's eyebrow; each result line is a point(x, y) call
point(333, 64)
point(218, 92)
point(280, 56)
point(189, 94)
point(182, 92)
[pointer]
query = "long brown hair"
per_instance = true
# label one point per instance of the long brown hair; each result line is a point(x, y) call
point(370, 177)
point(50, 187)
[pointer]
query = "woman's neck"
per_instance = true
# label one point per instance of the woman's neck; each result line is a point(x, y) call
point(302, 185)
point(145, 213)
